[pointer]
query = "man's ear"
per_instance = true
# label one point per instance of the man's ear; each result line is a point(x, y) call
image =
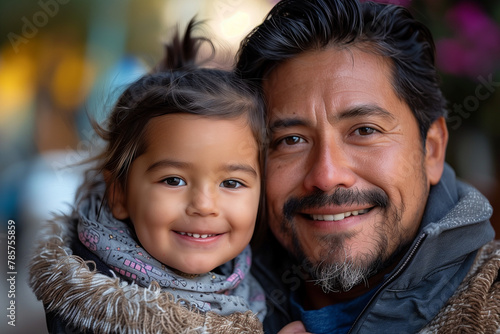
point(117, 199)
point(435, 145)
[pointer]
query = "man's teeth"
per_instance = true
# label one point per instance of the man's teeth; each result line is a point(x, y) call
point(339, 216)
point(196, 235)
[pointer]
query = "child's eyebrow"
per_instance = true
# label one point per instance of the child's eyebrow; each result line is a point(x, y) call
point(167, 163)
point(242, 168)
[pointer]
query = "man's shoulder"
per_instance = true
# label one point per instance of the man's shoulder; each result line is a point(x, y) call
point(476, 303)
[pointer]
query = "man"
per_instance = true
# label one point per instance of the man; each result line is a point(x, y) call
point(382, 238)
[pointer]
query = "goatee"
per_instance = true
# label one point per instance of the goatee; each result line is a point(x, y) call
point(338, 270)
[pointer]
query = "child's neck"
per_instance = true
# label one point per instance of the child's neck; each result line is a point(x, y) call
point(186, 275)
point(183, 274)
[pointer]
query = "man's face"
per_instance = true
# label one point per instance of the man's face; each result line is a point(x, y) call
point(346, 172)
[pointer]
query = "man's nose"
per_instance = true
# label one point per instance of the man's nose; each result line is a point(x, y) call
point(203, 202)
point(328, 168)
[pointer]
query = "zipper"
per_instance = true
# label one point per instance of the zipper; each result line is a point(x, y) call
point(392, 278)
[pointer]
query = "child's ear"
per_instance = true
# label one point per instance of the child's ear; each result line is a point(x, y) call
point(435, 144)
point(117, 199)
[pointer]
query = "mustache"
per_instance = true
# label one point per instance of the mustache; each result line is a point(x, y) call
point(341, 196)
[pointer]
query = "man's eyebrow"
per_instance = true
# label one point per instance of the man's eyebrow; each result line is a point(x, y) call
point(364, 110)
point(286, 123)
point(167, 163)
point(357, 111)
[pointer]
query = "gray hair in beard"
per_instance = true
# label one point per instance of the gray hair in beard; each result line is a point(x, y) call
point(339, 271)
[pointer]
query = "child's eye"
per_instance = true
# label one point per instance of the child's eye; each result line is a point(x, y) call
point(175, 181)
point(231, 184)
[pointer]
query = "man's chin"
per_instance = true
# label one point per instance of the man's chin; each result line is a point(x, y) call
point(343, 273)
point(342, 276)
point(336, 269)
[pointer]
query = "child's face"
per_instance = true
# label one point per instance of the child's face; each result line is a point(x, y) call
point(193, 195)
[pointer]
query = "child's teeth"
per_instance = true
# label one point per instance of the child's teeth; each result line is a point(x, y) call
point(196, 235)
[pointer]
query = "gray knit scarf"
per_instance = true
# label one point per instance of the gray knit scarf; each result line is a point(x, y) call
point(112, 240)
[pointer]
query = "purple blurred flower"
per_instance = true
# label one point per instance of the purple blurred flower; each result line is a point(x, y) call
point(475, 49)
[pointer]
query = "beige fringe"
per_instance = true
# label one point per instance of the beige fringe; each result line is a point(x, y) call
point(92, 301)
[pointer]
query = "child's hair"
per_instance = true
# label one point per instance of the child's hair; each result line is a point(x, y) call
point(177, 85)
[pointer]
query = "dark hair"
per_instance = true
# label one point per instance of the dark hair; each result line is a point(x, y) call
point(296, 26)
point(177, 85)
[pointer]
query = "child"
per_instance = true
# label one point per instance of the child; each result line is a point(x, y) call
point(159, 239)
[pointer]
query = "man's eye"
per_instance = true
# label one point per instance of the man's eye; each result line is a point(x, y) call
point(174, 181)
point(292, 140)
point(365, 131)
point(231, 184)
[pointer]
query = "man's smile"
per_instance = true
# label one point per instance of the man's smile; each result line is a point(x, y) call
point(338, 216)
point(334, 219)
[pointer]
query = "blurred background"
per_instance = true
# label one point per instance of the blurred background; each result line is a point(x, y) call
point(62, 60)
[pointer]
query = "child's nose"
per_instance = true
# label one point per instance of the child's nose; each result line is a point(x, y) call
point(203, 203)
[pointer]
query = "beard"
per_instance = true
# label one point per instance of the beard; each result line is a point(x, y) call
point(339, 269)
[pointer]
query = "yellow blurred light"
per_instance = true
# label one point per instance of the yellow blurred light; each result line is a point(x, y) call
point(17, 86)
point(235, 25)
point(72, 80)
